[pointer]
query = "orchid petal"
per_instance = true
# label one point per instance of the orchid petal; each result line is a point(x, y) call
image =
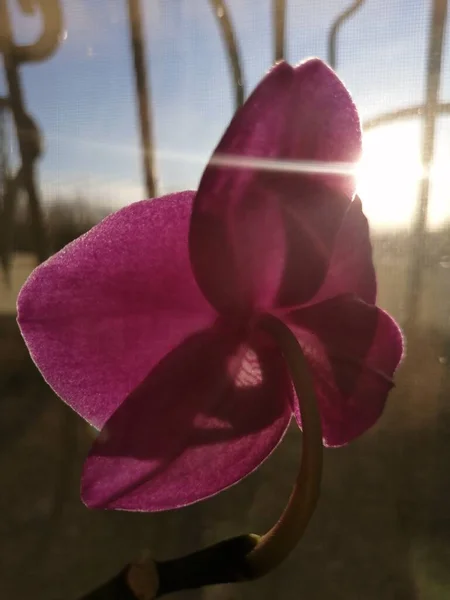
point(236, 228)
point(353, 350)
point(326, 129)
point(203, 419)
point(102, 312)
point(351, 269)
point(262, 236)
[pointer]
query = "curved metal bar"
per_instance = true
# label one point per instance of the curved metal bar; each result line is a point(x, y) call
point(252, 556)
point(30, 149)
point(340, 20)
point(6, 207)
point(418, 236)
point(28, 135)
point(224, 20)
point(52, 31)
point(442, 108)
point(143, 94)
point(7, 219)
point(279, 27)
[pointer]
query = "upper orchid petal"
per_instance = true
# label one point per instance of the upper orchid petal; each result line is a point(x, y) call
point(102, 312)
point(263, 236)
point(326, 129)
point(236, 228)
point(353, 350)
point(203, 419)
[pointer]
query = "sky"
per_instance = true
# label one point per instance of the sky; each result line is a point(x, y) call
point(83, 97)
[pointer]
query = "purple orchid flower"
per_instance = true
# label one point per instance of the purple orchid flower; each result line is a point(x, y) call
point(148, 326)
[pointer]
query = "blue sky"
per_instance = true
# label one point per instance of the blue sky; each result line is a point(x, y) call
point(83, 97)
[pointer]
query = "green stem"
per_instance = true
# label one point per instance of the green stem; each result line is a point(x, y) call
point(278, 542)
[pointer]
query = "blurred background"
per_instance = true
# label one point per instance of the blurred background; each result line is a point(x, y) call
point(105, 102)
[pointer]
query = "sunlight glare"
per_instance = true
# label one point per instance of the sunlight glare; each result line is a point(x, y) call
point(439, 207)
point(389, 173)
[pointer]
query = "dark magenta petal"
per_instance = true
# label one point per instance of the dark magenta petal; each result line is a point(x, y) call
point(203, 419)
point(324, 127)
point(351, 269)
point(259, 236)
point(236, 237)
point(353, 350)
point(311, 226)
point(102, 312)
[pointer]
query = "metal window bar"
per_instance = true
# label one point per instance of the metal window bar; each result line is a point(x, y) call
point(29, 137)
point(27, 132)
point(336, 26)
point(142, 94)
point(429, 111)
point(223, 17)
point(279, 28)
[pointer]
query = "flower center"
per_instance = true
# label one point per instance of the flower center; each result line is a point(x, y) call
point(245, 369)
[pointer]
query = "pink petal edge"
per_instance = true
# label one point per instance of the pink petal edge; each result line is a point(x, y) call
point(99, 314)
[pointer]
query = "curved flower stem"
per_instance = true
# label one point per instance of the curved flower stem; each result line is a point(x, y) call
point(250, 556)
point(274, 546)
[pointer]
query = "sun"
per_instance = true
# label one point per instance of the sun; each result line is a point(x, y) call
point(389, 174)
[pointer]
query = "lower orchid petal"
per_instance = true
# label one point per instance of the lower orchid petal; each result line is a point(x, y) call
point(203, 419)
point(353, 350)
point(99, 314)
